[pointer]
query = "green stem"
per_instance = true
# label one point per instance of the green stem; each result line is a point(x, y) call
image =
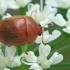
point(0, 17)
point(62, 49)
point(19, 50)
point(41, 4)
point(65, 64)
point(65, 38)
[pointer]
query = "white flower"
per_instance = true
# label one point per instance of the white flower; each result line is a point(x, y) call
point(6, 16)
point(3, 7)
point(7, 4)
point(59, 20)
point(22, 3)
point(33, 10)
point(45, 17)
point(41, 62)
point(58, 3)
point(9, 59)
point(48, 37)
point(11, 4)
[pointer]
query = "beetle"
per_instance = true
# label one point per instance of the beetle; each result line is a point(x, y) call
point(19, 30)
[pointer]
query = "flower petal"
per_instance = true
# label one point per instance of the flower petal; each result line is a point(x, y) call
point(12, 4)
point(10, 51)
point(22, 3)
point(3, 7)
point(46, 12)
point(46, 37)
point(35, 66)
point(47, 20)
point(51, 3)
point(67, 29)
point(56, 58)
point(16, 62)
point(39, 39)
point(68, 14)
point(59, 20)
point(6, 69)
point(44, 50)
point(55, 34)
point(31, 57)
point(6, 16)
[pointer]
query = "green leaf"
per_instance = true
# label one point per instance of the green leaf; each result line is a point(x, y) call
point(0, 17)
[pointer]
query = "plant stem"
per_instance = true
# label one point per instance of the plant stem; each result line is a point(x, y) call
point(60, 41)
point(0, 17)
point(65, 64)
point(41, 4)
point(19, 50)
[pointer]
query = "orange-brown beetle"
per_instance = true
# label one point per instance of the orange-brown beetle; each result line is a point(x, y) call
point(18, 30)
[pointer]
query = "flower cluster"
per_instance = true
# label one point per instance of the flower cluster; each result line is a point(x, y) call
point(41, 62)
point(8, 59)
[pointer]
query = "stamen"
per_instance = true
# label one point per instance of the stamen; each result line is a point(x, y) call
point(11, 59)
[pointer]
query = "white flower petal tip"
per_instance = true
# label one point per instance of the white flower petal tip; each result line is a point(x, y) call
point(6, 69)
point(68, 14)
point(35, 67)
point(67, 29)
point(56, 58)
point(59, 20)
point(6, 16)
point(31, 57)
point(44, 50)
point(55, 34)
point(22, 3)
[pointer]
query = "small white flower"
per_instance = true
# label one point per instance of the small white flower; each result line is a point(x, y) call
point(9, 59)
point(56, 58)
point(58, 3)
point(45, 17)
point(22, 3)
point(48, 37)
point(59, 20)
point(33, 10)
point(41, 62)
point(6, 16)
